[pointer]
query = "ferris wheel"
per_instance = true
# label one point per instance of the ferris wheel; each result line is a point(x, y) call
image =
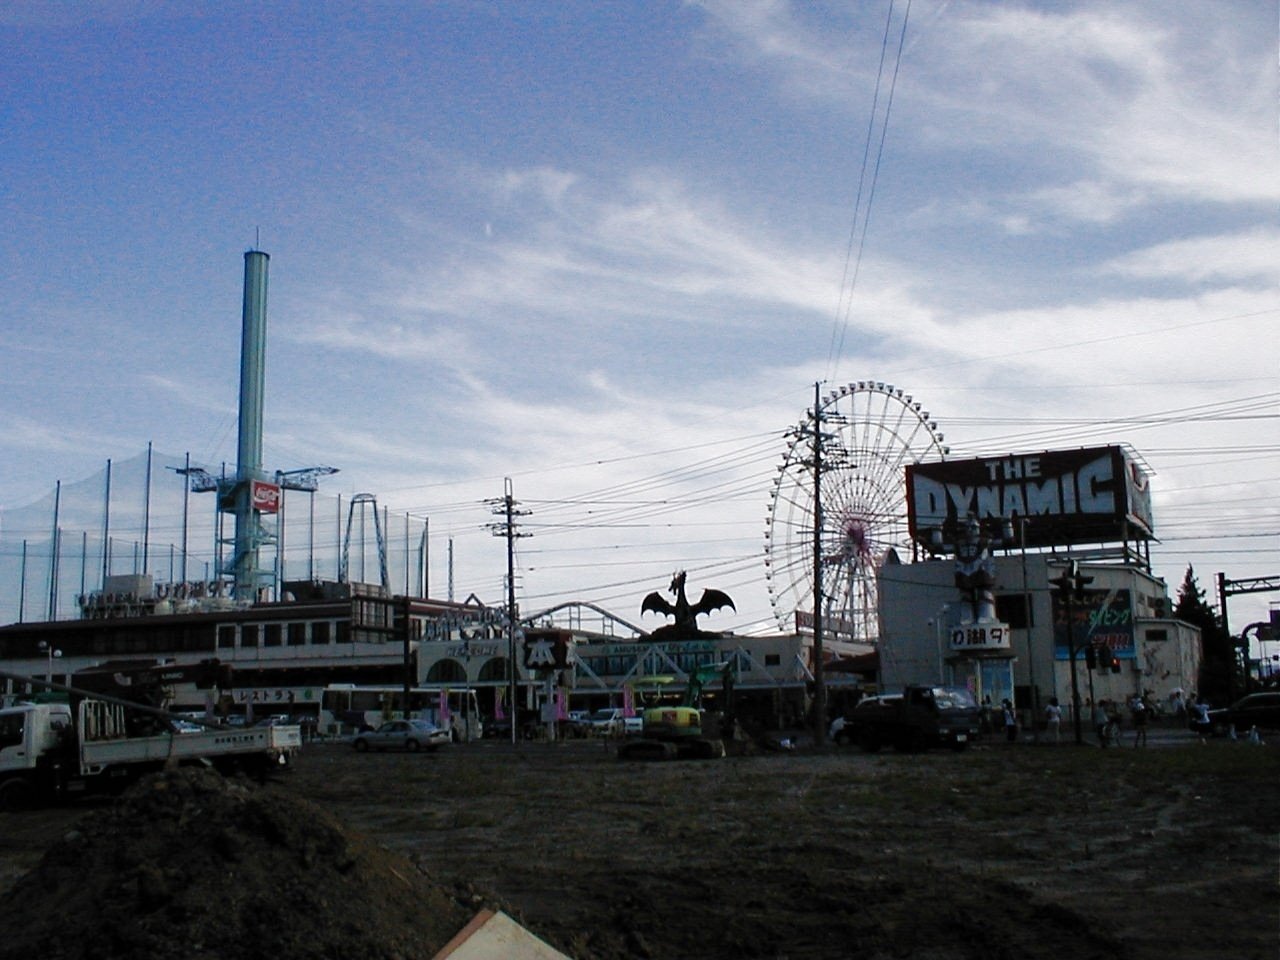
point(870, 431)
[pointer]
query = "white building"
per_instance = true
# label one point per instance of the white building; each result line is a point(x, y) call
point(1124, 611)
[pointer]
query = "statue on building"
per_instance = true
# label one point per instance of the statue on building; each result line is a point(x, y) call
point(975, 573)
point(683, 612)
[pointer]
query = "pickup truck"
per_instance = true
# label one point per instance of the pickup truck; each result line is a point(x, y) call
point(918, 718)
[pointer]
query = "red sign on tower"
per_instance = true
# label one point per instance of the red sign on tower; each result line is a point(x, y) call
point(264, 497)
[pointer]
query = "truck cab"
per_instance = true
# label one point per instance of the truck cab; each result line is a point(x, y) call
point(918, 718)
point(31, 730)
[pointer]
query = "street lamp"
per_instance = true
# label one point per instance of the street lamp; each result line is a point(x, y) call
point(937, 630)
point(48, 649)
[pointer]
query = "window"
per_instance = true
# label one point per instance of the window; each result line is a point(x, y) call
point(320, 632)
point(11, 730)
point(297, 634)
point(227, 635)
point(773, 659)
point(1157, 635)
point(249, 635)
point(446, 671)
point(271, 635)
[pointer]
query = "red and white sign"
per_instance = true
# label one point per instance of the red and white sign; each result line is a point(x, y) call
point(264, 497)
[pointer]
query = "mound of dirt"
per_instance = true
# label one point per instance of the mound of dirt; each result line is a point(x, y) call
point(190, 865)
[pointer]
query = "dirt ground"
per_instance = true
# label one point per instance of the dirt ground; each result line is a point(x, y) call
point(1018, 851)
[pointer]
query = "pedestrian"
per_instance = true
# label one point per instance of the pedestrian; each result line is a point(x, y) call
point(1138, 708)
point(1101, 723)
point(1053, 719)
point(1199, 716)
point(1010, 721)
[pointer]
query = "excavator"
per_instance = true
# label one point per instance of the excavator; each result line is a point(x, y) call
point(674, 731)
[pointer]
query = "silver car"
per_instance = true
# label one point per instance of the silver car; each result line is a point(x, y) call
point(411, 735)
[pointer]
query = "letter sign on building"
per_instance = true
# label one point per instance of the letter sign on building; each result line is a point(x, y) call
point(1054, 498)
point(548, 649)
point(980, 636)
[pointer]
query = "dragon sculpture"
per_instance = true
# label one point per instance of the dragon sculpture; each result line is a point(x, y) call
point(684, 613)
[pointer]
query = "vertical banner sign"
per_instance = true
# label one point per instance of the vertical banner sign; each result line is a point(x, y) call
point(1103, 617)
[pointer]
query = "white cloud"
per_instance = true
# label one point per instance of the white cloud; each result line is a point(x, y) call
point(1251, 257)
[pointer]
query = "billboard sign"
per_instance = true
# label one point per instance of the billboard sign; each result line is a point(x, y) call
point(1104, 618)
point(1092, 495)
point(835, 628)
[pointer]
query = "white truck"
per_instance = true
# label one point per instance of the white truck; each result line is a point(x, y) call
point(48, 751)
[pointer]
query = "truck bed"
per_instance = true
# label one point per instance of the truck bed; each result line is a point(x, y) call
point(97, 754)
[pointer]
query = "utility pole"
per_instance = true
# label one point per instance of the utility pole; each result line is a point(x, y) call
point(1031, 654)
point(819, 674)
point(506, 508)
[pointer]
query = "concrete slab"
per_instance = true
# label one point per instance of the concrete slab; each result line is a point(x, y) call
point(492, 935)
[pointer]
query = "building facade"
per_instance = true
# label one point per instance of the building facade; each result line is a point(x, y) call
point(1123, 615)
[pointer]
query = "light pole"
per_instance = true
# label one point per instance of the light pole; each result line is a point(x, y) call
point(48, 648)
point(937, 631)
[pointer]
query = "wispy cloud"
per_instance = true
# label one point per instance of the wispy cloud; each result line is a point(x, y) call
point(1248, 258)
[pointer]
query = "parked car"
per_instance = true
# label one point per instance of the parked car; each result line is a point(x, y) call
point(411, 735)
point(916, 719)
point(578, 723)
point(1261, 710)
point(499, 728)
point(607, 722)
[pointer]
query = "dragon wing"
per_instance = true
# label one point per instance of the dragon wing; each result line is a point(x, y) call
point(657, 603)
point(713, 600)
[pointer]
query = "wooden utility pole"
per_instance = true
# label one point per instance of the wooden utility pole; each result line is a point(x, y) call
point(506, 508)
point(819, 677)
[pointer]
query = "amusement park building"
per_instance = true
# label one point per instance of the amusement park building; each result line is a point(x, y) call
point(284, 655)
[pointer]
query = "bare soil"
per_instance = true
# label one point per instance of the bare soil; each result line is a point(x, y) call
point(1019, 851)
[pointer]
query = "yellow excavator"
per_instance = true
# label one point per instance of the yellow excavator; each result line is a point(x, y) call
point(674, 731)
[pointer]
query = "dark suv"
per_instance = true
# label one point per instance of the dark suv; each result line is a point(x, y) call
point(1261, 710)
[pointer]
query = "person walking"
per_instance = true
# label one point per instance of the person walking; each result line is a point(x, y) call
point(1101, 723)
point(1010, 722)
point(1138, 708)
point(1053, 720)
point(1199, 717)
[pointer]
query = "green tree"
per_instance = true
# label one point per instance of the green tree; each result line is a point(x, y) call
point(1218, 660)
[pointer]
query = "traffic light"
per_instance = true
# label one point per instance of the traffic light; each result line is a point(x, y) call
point(1091, 657)
point(1078, 580)
point(1072, 583)
point(1114, 664)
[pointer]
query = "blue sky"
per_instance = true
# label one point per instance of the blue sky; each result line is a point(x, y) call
point(589, 246)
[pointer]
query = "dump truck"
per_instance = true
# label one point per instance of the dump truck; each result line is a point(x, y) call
point(94, 742)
